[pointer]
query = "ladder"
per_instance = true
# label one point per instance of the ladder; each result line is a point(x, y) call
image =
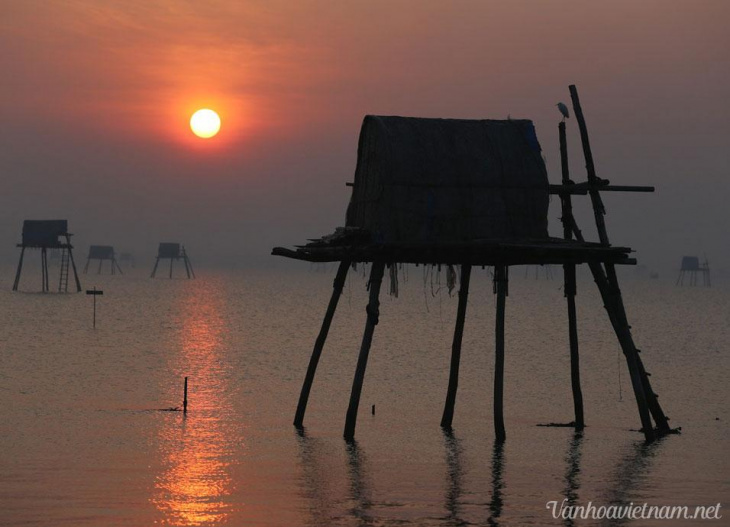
point(63, 280)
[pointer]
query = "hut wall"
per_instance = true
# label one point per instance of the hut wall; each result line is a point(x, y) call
point(43, 233)
point(101, 252)
point(169, 250)
point(434, 180)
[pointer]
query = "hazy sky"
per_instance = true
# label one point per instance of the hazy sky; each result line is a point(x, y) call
point(96, 95)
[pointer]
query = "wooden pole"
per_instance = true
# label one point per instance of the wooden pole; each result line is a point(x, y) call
point(171, 262)
point(337, 287)
point(94, 295)
point(500, 282)
point(154, 269)
point(570, 284)
point(448, 414)
point(187, 267)
point(20, 269)
point(373, 312)
point(185, 397)
point(73, 265)
point(610, 290)
point(86, 267)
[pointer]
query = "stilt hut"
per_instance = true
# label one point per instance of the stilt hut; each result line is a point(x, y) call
point(103, 253)
point(128, 258)
point(471, 193)
point(48, 235)
point(691, 267)
point(173, 252)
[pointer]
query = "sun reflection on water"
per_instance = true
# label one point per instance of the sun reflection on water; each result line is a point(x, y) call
point(195, 483)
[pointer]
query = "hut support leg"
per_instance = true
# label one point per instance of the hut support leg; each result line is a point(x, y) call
point(500, 284)
point(448, 414)
point(86, 267)
point(187, 267)
point(337, 286)
point(100, 263)
point(154, 269)
point(20, 269)
point(44, 270)
point(171, 262)
point(373, 312)
point(73, 266)
point(570, 291)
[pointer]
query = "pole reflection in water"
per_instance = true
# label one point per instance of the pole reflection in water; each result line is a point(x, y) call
point(315, 482)
point(359, 487)
point(496, 503)
point(196, 449)
point(455, 478)
point(572, 475)
point(630, 476)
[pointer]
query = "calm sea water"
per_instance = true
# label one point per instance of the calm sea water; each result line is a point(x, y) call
point(83, 443)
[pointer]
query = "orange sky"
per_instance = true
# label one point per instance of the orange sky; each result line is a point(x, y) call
point(96, 96)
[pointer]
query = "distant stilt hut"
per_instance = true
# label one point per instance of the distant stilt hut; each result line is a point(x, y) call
point(103, 253)
point(48, 235)
point(471, 193)
point(691, 266)
point(173, 252)
point(128, 258)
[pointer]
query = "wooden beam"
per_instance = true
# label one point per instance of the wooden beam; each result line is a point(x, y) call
point(448, 414)
point(337, 286)
point(373, 313)
point(500, 282)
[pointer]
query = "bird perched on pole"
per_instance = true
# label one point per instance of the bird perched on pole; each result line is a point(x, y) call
point(564, 110)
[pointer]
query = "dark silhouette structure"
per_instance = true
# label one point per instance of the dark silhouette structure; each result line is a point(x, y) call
point(173, 252)
point(103, 253)
point(48, 235)
point(691, 266)
point(128, 258)
point(472, 193)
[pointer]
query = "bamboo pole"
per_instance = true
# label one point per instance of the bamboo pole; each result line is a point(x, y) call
point(448, 414)
point(154, 269)
point(20, 269)
point(500, 282)
point(373, 312)
point(337, 287)
point(570, 284)
point(611, 293)
point(185, 397)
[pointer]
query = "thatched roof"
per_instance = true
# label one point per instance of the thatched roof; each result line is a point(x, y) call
point(449, 180)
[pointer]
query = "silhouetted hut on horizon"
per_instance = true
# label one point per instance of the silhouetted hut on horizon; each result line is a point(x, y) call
point(173, 252)
point(48, 235)
point(691, 266)
point(103, 253)
point(470, 193)
point(128, 258)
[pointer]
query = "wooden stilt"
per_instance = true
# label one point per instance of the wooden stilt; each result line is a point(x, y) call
point(188, 261)
point(118, 267)
point(172, 260)
point(20, 270)
point(154, 269)
point(44, 270)
point(73, 266)
point(373, 312)
point(337, 286)
point(86, 267)
point(448, 414)
point(570, 284)
point(609, 288)
point(500, 283)
point(187, 267)
point(100, 264)
point(570, 290)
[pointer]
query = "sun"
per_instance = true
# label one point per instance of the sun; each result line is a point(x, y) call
point(205, 123)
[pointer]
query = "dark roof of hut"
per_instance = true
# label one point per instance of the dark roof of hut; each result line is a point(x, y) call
point(101, 252)
point(449, 191)
point(447, 180)
point(44, 233)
